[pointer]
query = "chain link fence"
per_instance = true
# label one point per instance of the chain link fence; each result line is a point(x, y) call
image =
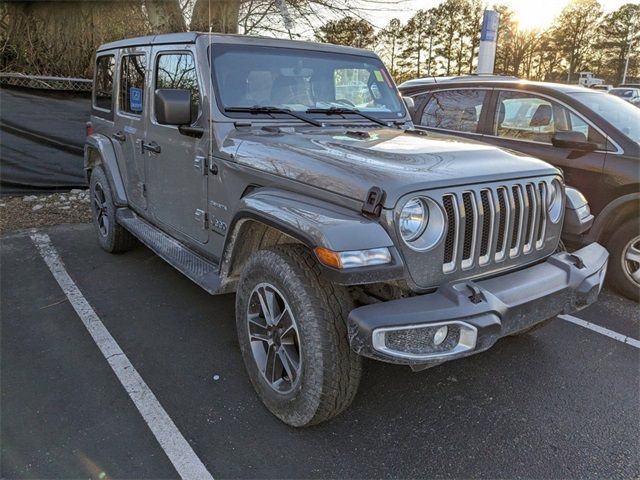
point(45, 83)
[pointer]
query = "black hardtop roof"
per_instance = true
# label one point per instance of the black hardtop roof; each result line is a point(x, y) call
point(191, 37)
point(433, 83)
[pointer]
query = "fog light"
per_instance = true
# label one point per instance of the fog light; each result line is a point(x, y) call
point(440, 335)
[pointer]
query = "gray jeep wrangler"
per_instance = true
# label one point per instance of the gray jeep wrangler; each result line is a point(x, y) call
point(290, 173)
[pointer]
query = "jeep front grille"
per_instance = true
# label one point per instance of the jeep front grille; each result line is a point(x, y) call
point(492, 224)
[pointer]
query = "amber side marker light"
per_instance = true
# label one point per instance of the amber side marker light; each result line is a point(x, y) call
point(353, 258)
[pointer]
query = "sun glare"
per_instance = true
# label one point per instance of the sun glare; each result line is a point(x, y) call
point(536, 14)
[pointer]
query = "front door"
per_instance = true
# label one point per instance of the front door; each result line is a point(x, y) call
point(526, 122)
point(129, 123)
point(176, 163)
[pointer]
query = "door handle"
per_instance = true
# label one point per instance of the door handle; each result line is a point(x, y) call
point(119, 136)
point(152, 147)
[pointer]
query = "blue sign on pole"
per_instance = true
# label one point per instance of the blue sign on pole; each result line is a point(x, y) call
point(135, 99)
point(490, 22)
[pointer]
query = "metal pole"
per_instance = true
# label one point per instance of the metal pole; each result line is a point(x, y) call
point(626, 63)
point(488, 39)
point(430, 44)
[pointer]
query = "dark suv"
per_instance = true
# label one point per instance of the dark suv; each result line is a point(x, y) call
point(592, 136)
point(290, 173)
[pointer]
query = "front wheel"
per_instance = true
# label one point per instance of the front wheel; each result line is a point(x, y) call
point(293, 338)
point(624, 264)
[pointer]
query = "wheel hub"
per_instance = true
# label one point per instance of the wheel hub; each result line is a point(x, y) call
point(274, 338)
point(631, 260)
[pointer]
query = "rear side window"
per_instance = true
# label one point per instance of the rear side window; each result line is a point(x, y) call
point(457, 110)
point(103, 83)
point(178, 71)
point(132, 74)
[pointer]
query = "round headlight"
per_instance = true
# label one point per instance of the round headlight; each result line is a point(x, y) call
point(413, 219)
point(554, 201)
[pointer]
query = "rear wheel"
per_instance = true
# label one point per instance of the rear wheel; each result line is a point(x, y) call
point(624, 261)
point(112, 237)
point(293, 338)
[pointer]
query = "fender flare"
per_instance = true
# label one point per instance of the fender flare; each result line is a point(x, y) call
point(106, 157)
point(316, 223)
point(616, 211)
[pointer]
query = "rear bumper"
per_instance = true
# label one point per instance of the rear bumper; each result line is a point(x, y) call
point(478, 313)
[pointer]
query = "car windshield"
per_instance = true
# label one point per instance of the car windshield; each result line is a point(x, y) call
point(300, 80)
point(622, 92)
point(622, 115)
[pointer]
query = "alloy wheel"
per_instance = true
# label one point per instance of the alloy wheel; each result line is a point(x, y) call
point(631, 260)
point(100, 209)
point(274, 338)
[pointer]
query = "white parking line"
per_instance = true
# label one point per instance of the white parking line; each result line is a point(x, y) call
point(180, 453)
point(604, 331)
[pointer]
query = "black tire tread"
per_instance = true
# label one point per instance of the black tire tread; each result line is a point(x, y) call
point(119, 239)
point(336, 387)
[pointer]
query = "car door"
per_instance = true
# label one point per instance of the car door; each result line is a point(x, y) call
point(527, 122)
point(129, 123)
point(176, 162)
point(457, 111)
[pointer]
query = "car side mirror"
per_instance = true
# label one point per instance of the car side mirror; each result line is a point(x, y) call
point(410, 104)
point(573, 140)
point(173, 107)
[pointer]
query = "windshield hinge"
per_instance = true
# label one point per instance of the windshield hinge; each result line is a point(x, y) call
point(373, 202)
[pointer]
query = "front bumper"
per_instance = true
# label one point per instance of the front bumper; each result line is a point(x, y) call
point(477, 313)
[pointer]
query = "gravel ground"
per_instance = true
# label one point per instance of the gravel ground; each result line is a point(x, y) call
point(21, 212)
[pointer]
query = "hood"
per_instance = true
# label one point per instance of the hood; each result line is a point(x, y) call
point(350, 161)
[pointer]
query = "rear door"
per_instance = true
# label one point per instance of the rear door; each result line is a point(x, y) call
point(458, 111)
point(177, 182)
point(129, 122)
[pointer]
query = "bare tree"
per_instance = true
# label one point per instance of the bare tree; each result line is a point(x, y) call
point(165, 16)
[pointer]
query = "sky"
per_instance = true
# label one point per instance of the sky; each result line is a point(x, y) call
point(530, 13)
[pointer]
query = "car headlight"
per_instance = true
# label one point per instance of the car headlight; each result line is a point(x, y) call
point(421, 223)
point(413, 219)
point(554, 201)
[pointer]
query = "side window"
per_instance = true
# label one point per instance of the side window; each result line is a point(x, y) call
point(132, 74)
point(577, 124)
point(524, 116)
point(103, 83)
point(178, 71)
point(457, 110)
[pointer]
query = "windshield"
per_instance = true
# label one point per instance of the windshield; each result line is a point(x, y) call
point(622, 92)
point(299, 80)
point(622, 115)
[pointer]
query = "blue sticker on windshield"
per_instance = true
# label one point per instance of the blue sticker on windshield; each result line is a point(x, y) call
point(135, 99)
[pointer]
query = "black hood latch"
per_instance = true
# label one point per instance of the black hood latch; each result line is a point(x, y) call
point(373, 202)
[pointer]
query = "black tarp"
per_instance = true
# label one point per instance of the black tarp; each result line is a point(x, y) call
point(41, 139)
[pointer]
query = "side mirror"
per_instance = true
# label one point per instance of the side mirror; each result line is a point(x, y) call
point(573, 140)
point(410, 104)
point(173, 107)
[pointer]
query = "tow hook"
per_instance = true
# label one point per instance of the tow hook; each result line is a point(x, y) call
point(576, 260)
point(476, 293)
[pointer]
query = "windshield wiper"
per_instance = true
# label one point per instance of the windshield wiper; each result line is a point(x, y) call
point(343, 110)
point(258, 109)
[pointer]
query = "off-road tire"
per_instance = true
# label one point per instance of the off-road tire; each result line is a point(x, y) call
point(114, 238)
point(330, 370)
point(616, 276)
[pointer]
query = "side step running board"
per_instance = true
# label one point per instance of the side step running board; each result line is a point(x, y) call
point(200, 270)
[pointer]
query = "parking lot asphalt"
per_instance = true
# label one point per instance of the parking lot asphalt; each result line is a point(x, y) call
point(562, 402)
